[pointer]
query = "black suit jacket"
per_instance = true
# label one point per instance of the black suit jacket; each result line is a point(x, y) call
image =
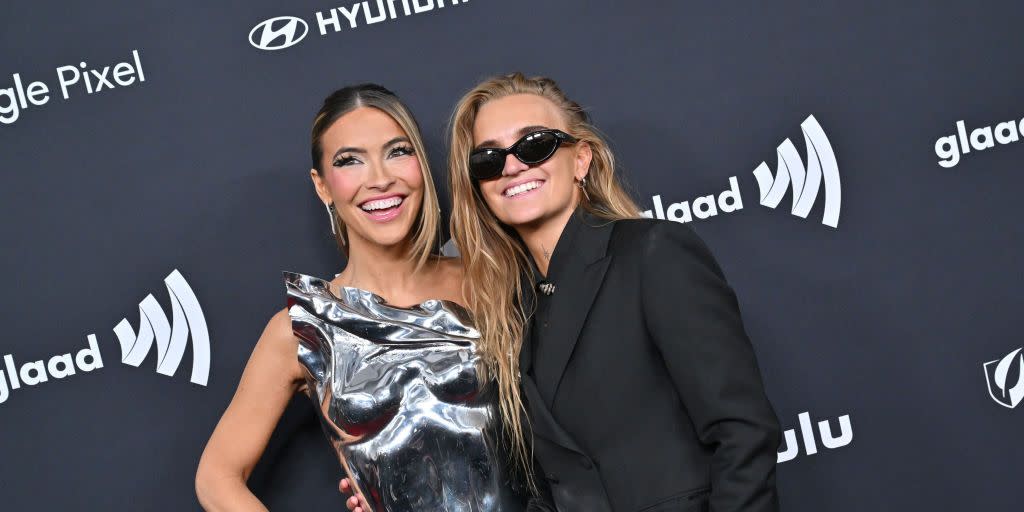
point(643, 391)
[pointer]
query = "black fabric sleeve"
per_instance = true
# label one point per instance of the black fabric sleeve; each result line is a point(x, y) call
point(693, 317)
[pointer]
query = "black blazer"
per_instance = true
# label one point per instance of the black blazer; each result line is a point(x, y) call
point(643, 391)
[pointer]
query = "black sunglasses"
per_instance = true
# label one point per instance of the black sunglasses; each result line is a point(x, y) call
point(533, 148)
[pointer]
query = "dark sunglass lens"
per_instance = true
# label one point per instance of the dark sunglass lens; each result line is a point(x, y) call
point(537, 147)
point(485, 164)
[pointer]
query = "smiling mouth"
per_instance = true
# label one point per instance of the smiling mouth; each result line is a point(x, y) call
point(383, 210)
point(381, 204)
point(522, 188)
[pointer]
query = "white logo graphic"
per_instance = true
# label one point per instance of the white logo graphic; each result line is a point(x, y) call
point(703, 207)
point(57, 367)
point(948, 148)
point(76, 79)
point(171, 338)
point(375, 12)
point(153, 326)
point(821, 163)
point(807, 432)
point(284, 31)
point(289, 31)
point(996, 375)
point(806, 182)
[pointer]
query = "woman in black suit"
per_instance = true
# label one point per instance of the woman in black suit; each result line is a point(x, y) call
point(619, 336)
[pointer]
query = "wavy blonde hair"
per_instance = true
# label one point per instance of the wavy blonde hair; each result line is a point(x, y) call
point(428, 221)
point(493, 256)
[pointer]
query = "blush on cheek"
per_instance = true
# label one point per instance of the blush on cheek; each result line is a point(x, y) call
point(341, 182)
point(412, 175)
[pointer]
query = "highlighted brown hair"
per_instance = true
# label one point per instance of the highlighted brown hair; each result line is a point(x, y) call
point(492, 253)
point(347, 99)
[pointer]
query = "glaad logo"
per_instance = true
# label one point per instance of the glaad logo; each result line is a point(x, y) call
point(997, 375)
point(171, 340)
point(58, 367)
point(805, 181)
point(807, 433)
point(703, 207)
point(288, 32)
point(821, 164)
point(284, 31)
point(948, 148)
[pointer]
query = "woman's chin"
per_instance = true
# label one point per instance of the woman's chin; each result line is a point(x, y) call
point(528, 215)
point(389, 241)
point(387, 237)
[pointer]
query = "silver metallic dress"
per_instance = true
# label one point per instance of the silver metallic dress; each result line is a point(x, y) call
point(399, 397)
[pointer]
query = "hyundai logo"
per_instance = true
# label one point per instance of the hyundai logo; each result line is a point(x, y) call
point(288, 31)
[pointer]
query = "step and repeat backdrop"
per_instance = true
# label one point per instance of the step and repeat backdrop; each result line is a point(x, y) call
point(854, 167)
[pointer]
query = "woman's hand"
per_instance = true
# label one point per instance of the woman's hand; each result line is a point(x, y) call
point(354, 503)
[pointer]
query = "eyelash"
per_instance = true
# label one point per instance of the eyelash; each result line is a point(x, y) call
point(341, 162)
point(404, 151)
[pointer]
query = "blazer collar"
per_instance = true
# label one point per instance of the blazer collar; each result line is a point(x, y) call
point(584, 241)
point(577, 269)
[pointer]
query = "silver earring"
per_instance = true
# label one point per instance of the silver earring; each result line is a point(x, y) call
point(582, 183)
point(332, 213)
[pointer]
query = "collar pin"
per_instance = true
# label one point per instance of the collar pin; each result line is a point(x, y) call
point(546, 288)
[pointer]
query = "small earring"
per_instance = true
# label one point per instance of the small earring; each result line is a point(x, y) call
point(332, 213)
point(582, 183)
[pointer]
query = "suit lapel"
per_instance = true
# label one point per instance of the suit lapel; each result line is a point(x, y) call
point(577, 290)
point(580, 270)
point(542, 423)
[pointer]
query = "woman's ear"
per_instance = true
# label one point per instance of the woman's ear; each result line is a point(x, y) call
point(584, 154)
point(320, 186)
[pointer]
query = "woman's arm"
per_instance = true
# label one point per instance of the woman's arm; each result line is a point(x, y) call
point(694, 319)
point(272, 375)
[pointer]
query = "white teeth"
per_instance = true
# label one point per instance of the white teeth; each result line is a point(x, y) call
point(381, 204)
point(519, 189)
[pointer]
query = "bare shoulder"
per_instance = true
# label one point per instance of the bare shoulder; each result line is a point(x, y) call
point(446, 280)
point(279, 328)
point(277, 348)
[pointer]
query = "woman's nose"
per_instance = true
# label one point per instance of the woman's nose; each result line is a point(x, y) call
point(379, 177)
point(513, 166)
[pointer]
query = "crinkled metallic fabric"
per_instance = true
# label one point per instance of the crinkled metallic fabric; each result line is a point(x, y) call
point(400, 399)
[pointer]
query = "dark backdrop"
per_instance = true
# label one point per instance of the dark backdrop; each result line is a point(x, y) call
point(886, 319)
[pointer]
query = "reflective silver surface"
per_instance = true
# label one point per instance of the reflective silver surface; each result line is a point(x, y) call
point(400, 399)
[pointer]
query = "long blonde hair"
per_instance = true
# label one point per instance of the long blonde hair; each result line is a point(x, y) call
point(492, 253)
point(428, 220)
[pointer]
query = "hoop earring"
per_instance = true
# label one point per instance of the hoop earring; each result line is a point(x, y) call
point(582, 183)
point(332, 213)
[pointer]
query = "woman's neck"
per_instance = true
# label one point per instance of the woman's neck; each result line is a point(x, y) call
point(540, 239)
point(385, 270)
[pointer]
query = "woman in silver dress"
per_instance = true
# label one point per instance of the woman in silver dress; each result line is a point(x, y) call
point(384, 350)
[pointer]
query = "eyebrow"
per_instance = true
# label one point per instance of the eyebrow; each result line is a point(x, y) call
point(396, 140)
point(362, 151)
point(491, 143)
